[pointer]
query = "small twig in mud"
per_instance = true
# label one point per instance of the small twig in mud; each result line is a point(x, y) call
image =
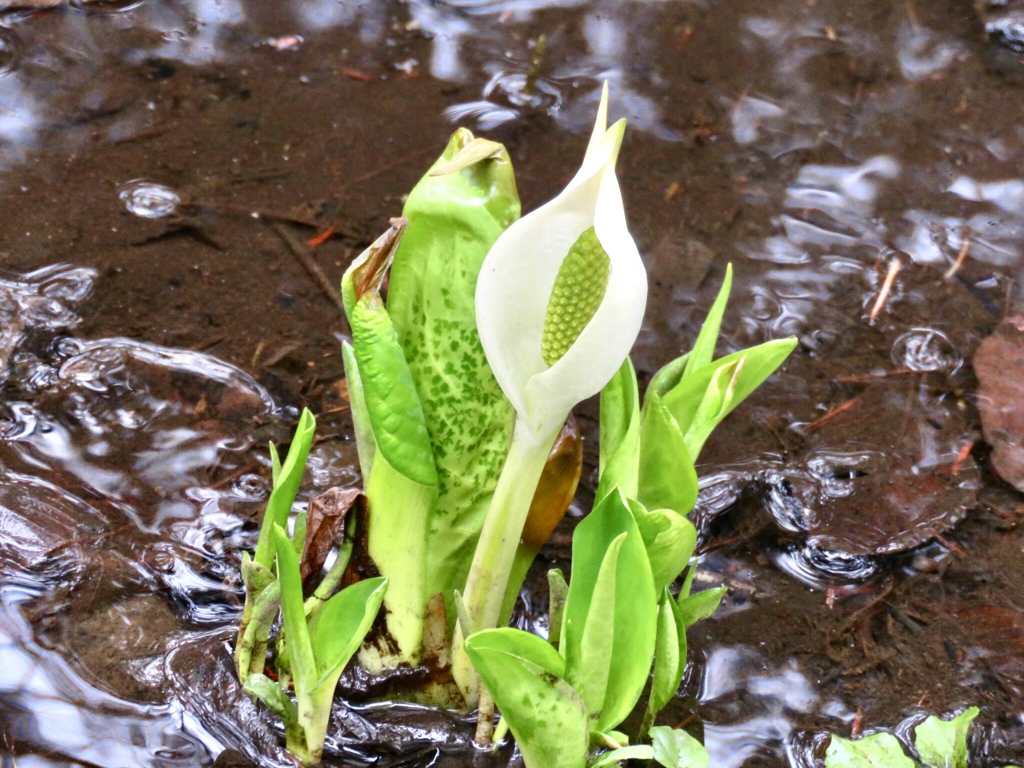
point(322, 237)
point(944, 541)
point(890, 278)
point(300, 252)
point(961, 457)
point(827, 417)
point(390, 166)
point(960, 257)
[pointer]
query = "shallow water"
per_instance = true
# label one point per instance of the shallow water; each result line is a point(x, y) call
point(156, 332)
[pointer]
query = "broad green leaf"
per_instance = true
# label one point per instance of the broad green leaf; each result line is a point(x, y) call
point(286, 486)
point(624, 620)
point(339, 627)
point(366, 444)
point(715, 405)
point(667, 477)
point(590, 674)
point(704, 347)
point(293, 614)
point(616, 756)
point(524, 675)
point(675, 748)
point(943, 744)
point(669, 539)
point(396, 414)
point(700, 605)
point(455, 213)
point(685, 398)
point(669, 655)
point(270, 693)
point(880, 750)
point(557, 592)
point(619, 462)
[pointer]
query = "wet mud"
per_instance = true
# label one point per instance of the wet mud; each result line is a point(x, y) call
point(182, 182)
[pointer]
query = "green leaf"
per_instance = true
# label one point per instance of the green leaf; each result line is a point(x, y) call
point(287, 477)
point(704, 347)
point(616, 756)
point(669, 539)
point(700, 605)
point(942, 744)
point(293, 614)
point(366, 444)
point(455, 214)
point(558, 590)
point(668, 377)
point(675, 748)
point(880, 750)
point(524, 675)
point(685, 398)
point(714, 406)
point(339, 627)
point(669, 655)
point(615, 609)
point(619, 462)
point(396, 414)
point(270, 693)
point(299, 534)
point(668, 479)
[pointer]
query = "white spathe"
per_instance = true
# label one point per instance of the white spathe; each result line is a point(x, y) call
point(517, 278)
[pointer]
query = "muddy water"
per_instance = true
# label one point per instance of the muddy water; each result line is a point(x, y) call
point(157, 330)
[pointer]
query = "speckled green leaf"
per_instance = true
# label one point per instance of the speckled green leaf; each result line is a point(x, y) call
point(453, 219)
point(943, 744)
point(879, 750)
point(524, 675)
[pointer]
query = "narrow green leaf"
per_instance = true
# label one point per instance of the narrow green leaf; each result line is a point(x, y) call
point(299, 534)
point(675, 748)
point(270, 693)
point(338, 628)
point(546, 716)
point(669, 539)
point(619, 462)
point(616, 756)
point(943, 744)
point(685, 398)
point(700, 605)
point(366, 444)
point(713, 406)
point(287, 477)
point(625, 621)
point(669, 655)
point(557, 592)
point(303, 663)
point(668, 479)
point(668, 377)
point(879, 750)
point(455, 214)
point(704, 347)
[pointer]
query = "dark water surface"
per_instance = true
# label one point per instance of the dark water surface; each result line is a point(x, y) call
point(156, 331)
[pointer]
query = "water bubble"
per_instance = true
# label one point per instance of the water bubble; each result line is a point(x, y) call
point(926, 349)
point(821, 568)
point(148, 199)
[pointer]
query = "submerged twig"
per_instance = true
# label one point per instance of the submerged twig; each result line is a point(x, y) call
point(960, 257)
point(303, 255)
point(890, 278)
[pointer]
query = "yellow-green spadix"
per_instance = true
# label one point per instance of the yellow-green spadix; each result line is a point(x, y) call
point(561, 294)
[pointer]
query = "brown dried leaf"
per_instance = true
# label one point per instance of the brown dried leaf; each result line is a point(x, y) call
point(557, 486)
point(325, 522)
